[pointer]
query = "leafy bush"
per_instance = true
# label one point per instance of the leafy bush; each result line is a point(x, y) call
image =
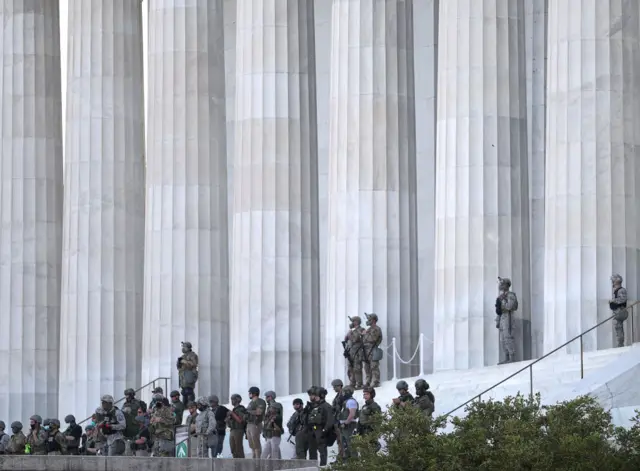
point(517, 433)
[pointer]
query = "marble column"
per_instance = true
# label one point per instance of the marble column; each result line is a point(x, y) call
point(275, 297)
point(30, 208)
point(425, 33)
point(230, 8)
point(536, 65)
point(103, 238)
point(592, 210)
point(186, 245)
point(482, 215)
point(372, 251)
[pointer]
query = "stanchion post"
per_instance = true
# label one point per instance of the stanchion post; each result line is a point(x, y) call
point(421, 354)
point(393, 352)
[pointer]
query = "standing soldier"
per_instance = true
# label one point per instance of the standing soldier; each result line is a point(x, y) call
point(405, 398)
point(370, 410)
point(205, 426)
point(255, 411)
point(618, 304)
point(111, 424)
point(56, 442)
point(188, 372)
point(73, 434)
point(37, 438)
point(220, 414)
point(372, 340)
point(161, 429)
point(130, 411)
point(191, 418)
point(296, 425)
point(140, 443)
point(347, 421)
point(17, 441)
point(321, 425)
point(237, 421)
point(506, 306)
point(4, 439)
point(424, 399)
point(336, 405)
point(354, 352)
point(177, 407)
point(272, 427)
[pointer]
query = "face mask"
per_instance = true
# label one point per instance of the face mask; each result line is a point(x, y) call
point(159, 405)
point(15, 430)
point(352, 325)
point(33, 426)
point(46, 427)
point(202, 408)
point(93, 423)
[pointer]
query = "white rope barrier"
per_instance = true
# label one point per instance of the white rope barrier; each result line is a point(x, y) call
point(419, 349)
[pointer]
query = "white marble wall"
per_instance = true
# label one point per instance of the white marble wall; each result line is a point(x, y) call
point(30, 208)
point(482, 218)
point(275, 300)
point(425, 33)
point(592, 176)
point(372, 251)
point(102, 259)
point(186, 245)
point(536, 60)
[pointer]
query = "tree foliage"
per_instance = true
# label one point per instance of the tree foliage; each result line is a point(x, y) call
point(517, 433)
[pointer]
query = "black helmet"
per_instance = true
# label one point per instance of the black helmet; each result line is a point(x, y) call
point(402, 384)
point(69, 419)
point(254, 390)
point(336, 382)
point(55, 422)
point(297, 400)
point(322, 392)
point(129, 392)
point(421, 384)
point(370, 390)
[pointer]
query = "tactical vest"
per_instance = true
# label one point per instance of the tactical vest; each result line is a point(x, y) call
point(368, 410)
point(241, 412)
point(344, 413)
point(52, 444)
point(316, 416)
point(253, 405)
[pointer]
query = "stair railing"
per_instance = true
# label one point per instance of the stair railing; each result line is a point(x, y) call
point(630, 309)
point(156, 382)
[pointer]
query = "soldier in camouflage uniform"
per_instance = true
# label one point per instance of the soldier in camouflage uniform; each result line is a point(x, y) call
point(424, 400)
point(205, 427)
point(111, 424)
point(237, 422)
point(255, 411)
point(177, 407)
point(372, 340)
point(17, 441)
point(56, 441)
point(618, 304)
point(506, 307)
point(272, 430)
point(188, 372)
point(37, 438)
point(4, 439)
point(355, 351)
point(161, 428)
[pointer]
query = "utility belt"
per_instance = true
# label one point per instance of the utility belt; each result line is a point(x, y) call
point(616, 306)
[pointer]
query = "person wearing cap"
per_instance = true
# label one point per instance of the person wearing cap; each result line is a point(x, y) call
point(111, 425)
point(272, 431)
point(37, 437)
point(72, 434)
point(56, 441)
point(177, 407)
point(255, 411)
point(17, 441)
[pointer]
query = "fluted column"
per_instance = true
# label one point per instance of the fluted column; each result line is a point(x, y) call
point(275, 298)
point(186, 251)
point(592, 206)
point(372, 251)
point(30, 208)
point(102, 260)
point(536, 60)
point(482, 217)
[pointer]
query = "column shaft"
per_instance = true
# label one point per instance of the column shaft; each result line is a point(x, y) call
point(275, 297)
point(102, 260)
point(30, 208)
point(482, 218)
point(592, 206)
point(536, 60)
point(372, 251)
point(186, 246)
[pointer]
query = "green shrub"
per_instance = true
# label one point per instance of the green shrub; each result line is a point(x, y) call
point(517, 433)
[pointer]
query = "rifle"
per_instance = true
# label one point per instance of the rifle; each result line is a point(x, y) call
point(289, 440)
point(347, 353)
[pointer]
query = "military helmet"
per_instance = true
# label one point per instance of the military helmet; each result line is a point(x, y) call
point(129, 392)
point(356, 319)
point(297, 400)
point(504, 281)
point(17, 425)
point(214, 398)
point(158, 397)
point(174, 394)
point(2, 425)
point(187, 344)
point(270, 394)
point(615, 277)
point(336, 382)
point(322, 392)
point(347, 391)
point(254, 390)
point(55, 422)
point(421, 384)
point(370, 390)
point(158, 389)
point(402, 384)
point(236, 397)
point(46, 422)
point(70, 418)
point(311, 391)
point(203, 401)
point(108, 398)
point(373, 317)
point(36, 418)
point(192, 404)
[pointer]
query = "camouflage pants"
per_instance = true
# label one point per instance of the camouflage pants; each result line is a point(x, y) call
point(354, 372)
point(163, 448)
point(202, 445)
point(372, 372)
point(619, 328)
point(507, 341)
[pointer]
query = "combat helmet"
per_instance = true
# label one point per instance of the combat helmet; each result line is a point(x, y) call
point(46, 422)
point(370, 390)
point(337, 383)
point(55, 422)
point(129, 392)
point(357, 319)
point(2, 425)
point(108, 398)
point(16, 426)
point(69, 419)
point(254, 390)
point(203, 401)
point(186, 344)
point(322, 392)
point(271, 394)
point(347, 391)
point(174, 393)
point(236, 397)
point(402, 384)
point(36, 418)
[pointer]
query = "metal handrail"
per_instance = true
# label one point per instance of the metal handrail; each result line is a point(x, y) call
point(530, 365)
point(150, 383)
